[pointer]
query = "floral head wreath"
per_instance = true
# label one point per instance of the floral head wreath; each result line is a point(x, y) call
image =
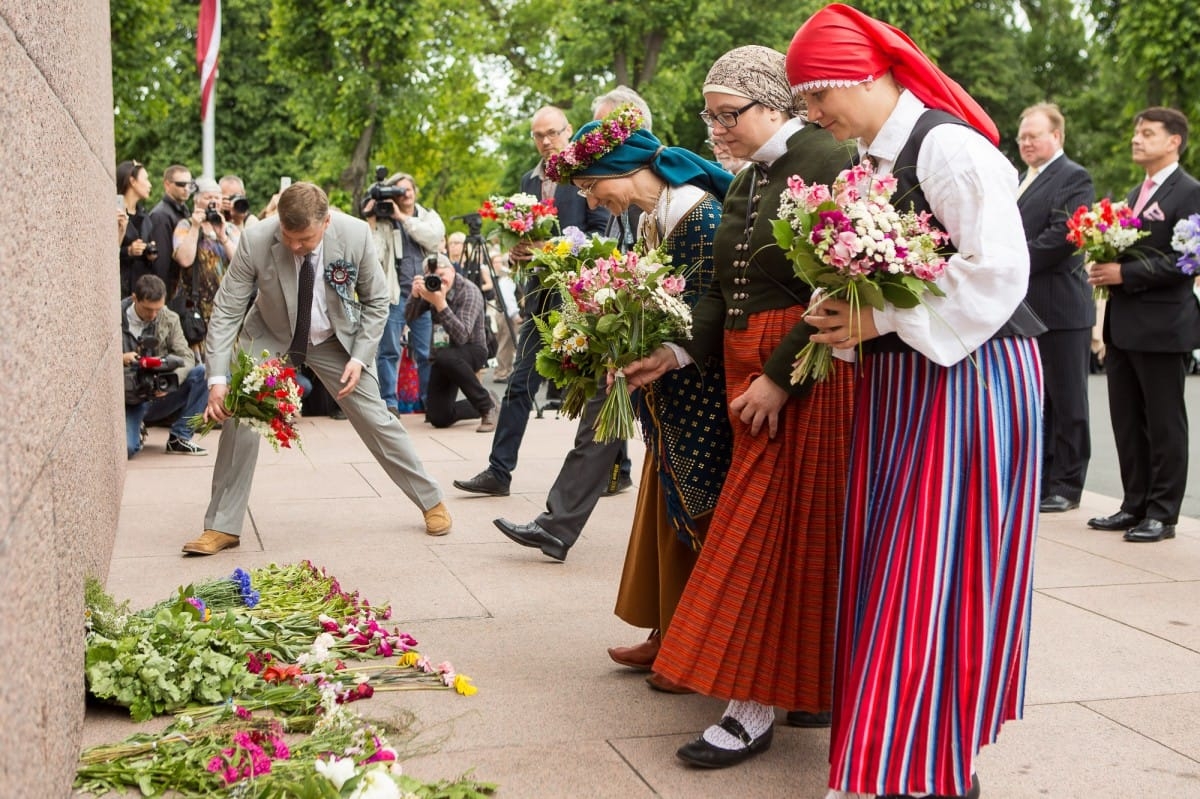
point(591, 145)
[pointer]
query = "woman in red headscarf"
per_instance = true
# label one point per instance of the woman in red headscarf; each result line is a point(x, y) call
point(941, 514)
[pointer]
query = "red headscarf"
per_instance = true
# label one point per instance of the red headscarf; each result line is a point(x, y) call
point(841, 46)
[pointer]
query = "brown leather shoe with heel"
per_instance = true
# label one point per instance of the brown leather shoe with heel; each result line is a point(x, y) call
point(639, 656)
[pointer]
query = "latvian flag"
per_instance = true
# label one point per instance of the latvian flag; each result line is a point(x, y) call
point(208, 43)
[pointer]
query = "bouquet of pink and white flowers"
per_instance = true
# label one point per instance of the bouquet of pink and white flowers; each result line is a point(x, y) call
point(264, 395)
point(849, 241)
point(616, 309)
point(1102, 232)
point(521, 217)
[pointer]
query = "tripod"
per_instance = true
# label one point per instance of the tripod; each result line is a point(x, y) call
point(475, 260)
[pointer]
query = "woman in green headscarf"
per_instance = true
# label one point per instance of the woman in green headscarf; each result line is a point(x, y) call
point(617, 163)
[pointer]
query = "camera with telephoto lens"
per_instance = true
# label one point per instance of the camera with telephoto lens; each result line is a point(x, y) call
point(212, 214)
point(383, 195)
point(240, 204)
point(433, 281)
point(151, 375)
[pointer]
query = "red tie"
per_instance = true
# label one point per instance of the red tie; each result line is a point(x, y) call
point(1143, 197)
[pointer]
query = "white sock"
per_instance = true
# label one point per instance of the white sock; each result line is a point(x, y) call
point(756, 718)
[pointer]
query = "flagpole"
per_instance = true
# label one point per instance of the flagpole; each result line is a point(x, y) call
point(208, 131)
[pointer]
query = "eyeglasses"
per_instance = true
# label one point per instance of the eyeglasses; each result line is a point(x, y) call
point(1030, 138)
point(726, 119)
point(586, 191)
point(190, 185)
point(542, 135)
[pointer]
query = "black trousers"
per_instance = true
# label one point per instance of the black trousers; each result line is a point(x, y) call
point(453, 370)
point(1150, 427)
point(1066, 360)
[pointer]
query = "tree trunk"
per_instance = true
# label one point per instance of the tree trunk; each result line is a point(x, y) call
point(353, 177)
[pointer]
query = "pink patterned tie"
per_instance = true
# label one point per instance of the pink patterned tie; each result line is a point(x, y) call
point(1143, 197)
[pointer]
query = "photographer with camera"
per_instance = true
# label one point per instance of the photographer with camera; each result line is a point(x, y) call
point(162, 377)
point(203, 247)
point(460, 349)
point(405, 235)
point(235, 207)
point(138, 250)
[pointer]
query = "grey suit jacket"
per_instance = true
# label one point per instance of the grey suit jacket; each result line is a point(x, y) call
point(264, 263)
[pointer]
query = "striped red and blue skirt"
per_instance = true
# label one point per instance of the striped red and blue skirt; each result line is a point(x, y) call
point(936, 566)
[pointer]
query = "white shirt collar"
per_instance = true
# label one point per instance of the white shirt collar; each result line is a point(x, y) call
point(895, 131)
point(1161, 175)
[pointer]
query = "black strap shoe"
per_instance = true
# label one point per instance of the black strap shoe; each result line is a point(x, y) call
point(535, 536)
point(705, 755)
point(486, 482)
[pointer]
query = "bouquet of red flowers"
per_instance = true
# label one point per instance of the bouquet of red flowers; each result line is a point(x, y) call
point(849, 241)
point(1102, 232)
point(616, 309)
point(521, 217)
point(264, 395)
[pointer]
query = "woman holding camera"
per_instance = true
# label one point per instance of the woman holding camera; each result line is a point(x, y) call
point(138, 253)
point(203, 249)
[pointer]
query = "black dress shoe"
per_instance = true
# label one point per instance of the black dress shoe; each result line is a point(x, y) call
point(486, 482)
point(1056, 503)
point(1118, 521)
point(623, 483)
point(1150, 530)
point(338, 413)
point(703, 754)
point(972, 793)
point(532, 535)
point(802, 718)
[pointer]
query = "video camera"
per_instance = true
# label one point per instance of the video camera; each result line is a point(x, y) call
point(473, 221)
point(383, 195)
point(151, 375)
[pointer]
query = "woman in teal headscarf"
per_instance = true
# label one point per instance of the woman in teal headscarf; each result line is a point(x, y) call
point(616, 163)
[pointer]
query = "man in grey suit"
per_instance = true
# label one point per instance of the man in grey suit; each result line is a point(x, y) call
point(1051, 189)
point(336, 332)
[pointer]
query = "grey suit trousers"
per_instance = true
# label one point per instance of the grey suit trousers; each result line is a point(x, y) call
point(584, 476)
point(382, 432)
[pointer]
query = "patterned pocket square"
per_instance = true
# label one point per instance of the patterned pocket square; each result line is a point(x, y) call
point(1154, 213)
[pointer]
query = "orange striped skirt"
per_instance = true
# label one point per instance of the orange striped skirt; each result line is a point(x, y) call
point(756, 620)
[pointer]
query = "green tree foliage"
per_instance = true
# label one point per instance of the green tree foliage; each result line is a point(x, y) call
point(444, 89)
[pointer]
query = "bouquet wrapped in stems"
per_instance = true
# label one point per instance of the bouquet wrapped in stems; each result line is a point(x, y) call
point(1185, 240)
point(520, 217)
point(264, 395)
point(616, 309)
point(849, 241)
point(1102, 232)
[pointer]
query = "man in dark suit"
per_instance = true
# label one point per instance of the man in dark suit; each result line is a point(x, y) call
point(1051, 189)
point(551, 132)
point(1151, 325)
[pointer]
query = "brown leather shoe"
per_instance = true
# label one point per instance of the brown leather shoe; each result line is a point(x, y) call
point(437, 520)
point(487, 423)
point(640, 656)
point(661, 683)
point(211, 543)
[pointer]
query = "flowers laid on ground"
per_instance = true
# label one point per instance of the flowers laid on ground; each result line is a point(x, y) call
point(849, 241)
point(266, 641)
point(616, 309)
point(521, 217)
point(1102, 232)
point(264, 395)
point(1186, 241)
